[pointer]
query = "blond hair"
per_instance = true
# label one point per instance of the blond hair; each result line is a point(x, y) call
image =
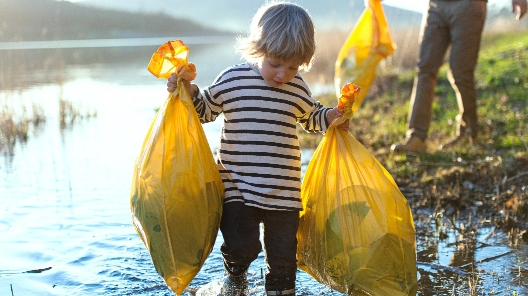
point(280, 30)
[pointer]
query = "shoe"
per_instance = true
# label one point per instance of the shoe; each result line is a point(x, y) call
point(235, 285)
point(463, 139)
point(412, 144)
point(280, 286)
point(289, 292)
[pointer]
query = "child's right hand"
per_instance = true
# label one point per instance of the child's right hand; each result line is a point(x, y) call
point(187, 73)
point(172, 82)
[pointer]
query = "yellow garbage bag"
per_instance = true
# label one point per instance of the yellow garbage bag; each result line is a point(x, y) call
point(177, 193)
point(356, 232)
point(368, 43)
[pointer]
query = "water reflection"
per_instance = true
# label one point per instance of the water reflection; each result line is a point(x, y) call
point(27, 68)
point(120, 42)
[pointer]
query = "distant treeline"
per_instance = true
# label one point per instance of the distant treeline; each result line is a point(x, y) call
point(24, 20)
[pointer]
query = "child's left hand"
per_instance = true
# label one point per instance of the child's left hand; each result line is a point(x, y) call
point(345, 125)
point(335, 113)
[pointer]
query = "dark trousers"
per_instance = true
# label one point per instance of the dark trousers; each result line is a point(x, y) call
point(240, 227)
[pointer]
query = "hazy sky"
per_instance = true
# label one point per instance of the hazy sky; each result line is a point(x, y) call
point(327, 14)
point(421, 5)
point(415, 5)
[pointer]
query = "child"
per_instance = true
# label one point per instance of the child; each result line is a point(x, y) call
point(259, 156)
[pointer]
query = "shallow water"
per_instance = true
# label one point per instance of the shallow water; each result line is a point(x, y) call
point(65, 224)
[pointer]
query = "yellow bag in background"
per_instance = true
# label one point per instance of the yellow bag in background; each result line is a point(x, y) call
point(368, 43)
point(356, 231)
point(177, 193)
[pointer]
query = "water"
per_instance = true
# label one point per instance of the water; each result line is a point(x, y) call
point(65, 224)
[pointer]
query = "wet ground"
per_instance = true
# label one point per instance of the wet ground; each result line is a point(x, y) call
point(471, 228)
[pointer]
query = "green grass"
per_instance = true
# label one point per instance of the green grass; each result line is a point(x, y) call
point(502, 84)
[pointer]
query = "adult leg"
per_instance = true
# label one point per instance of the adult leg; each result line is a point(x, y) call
point(467, 22)
point(280, 244)
point(435, 40)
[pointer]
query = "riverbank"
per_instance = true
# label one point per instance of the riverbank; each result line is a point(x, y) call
point(459, 198)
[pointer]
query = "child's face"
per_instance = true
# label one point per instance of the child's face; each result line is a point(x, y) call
point(276, 72)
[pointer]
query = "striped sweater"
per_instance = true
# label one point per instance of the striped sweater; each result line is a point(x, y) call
point(259, 156)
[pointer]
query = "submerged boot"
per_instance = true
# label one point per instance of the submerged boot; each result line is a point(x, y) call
point(280, 286)
point(235, 282)
point(412, 144)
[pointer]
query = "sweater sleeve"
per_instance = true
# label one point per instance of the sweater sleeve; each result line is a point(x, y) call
point(315, 120)
point(206, 107)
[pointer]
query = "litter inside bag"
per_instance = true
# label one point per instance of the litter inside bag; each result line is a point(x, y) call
point(368, 43)
point(177, 193)
point(356, 231)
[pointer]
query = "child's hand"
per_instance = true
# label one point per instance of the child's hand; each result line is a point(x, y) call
point(332, 114)
point(336, 113)
point(187, 73)
point(172, 82)
point(345, 125)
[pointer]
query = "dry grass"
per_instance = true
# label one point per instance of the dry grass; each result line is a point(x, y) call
point(70, 112)
point(404, 57)
point(329, 44)
point(17, 124)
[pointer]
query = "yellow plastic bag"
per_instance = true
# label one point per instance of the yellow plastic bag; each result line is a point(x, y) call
point(177, 193)
point(368, 43)
point(356, 232)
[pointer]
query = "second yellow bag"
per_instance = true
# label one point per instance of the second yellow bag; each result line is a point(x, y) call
point(368, 43)
point(356, 232)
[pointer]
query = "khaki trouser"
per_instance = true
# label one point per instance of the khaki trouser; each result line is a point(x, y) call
point(458, 24)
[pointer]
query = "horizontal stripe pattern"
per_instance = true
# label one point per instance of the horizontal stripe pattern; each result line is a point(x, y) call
point(259, 156)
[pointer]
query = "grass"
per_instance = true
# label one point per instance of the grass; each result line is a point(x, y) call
point(16, 122)
point(501, 78)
